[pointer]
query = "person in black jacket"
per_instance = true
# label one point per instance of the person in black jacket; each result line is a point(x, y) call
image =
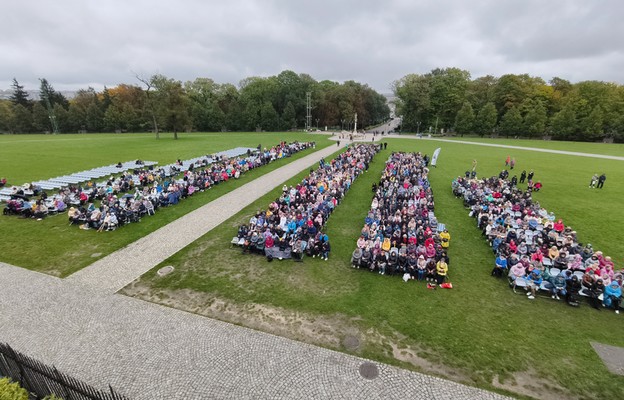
point(601, 181)
point(573, 287)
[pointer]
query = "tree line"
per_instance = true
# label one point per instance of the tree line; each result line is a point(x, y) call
point(159, 103)
point(511, 105)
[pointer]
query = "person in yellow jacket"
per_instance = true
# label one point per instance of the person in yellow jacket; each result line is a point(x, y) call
point(441, 271)
point(386, 245)
point(445, 237)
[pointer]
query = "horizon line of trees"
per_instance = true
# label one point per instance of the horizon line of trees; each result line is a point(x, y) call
point(159, 103)
point(448, 100)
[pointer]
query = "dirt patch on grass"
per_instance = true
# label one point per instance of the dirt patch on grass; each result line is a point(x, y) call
point(414, 356)
point(529, 383)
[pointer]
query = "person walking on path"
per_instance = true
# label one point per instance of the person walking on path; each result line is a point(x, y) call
point(594, 181)
point(601, 181)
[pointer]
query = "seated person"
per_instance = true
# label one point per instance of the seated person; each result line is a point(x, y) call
point(612, 296)
point(573, 287)
point(594, 293)
point(561, 261)
point(500, 266)
point(430, 270)
point(558, 286)
point(517, 271)
point(534, 280)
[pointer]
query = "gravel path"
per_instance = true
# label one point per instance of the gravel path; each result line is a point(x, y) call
point(148, 351)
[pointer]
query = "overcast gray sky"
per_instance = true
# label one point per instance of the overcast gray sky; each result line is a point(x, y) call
point(77, 43)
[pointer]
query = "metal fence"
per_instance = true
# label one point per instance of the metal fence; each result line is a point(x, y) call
point(41, 380)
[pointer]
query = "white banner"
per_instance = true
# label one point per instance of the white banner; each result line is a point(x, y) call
point(434, 159)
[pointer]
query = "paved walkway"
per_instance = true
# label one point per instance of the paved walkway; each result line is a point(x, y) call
point(148, 351)
point(506, 146)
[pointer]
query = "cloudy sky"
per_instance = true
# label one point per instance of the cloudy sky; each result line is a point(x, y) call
point(77, 43)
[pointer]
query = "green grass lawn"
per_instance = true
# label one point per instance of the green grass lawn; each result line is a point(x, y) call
point(54, 247)
point(480, 332)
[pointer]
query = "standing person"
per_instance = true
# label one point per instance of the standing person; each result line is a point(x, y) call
point(441, 271)
point(523, 176)
point(512, 163)
point(474, 165)
point(530, 175)
point(507, 161)
point(593, 181)
point(601, 181)
point(514, 181)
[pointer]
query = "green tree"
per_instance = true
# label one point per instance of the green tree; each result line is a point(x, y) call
point(22, 119)
point(448, 94)
point(20, 96)
point(592, 125)
point(268, 117)
point(511, 123)
point(486, 119)
point(171, 104)
point(288, 120)
point(7, 117)
point(535, 119)
point(564, 123)
point(413, 101)
point(465, 119)
point(62, 117)
point(40, 118)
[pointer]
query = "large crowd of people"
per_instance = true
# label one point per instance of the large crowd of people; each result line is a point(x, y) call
point(132, 195)
point(536, 250)
point(292, 225)
point(400, 234)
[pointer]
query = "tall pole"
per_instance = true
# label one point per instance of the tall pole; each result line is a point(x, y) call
point(355, 124)
point(309, 110)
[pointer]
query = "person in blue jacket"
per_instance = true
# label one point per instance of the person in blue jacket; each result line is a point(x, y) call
point(500, 266)
point(534, 280)
point(612, 296)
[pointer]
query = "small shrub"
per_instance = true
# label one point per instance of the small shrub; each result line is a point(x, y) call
point(12, 390)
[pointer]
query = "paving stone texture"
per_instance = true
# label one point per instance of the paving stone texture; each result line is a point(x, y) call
point(612, 356)
point(148, 351)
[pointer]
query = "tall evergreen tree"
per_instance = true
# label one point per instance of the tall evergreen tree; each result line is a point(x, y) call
point(20, 96)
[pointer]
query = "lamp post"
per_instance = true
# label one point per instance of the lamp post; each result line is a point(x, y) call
point(418, 128)
point(317, 120)
point(342, 125)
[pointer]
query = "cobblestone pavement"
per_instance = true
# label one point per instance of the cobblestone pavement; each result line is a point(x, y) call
point(113, 272)
point(148, 351)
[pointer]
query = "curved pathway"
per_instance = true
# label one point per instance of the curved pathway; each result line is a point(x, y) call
point(148, 351)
